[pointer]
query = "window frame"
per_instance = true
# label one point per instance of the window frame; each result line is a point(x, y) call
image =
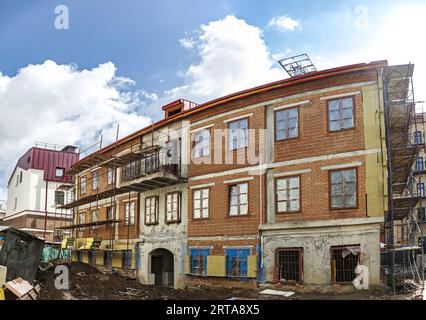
point(95, 174)
point(277, 264)
point(276, 196)
point(127, 222)
point(238, 184)
point(179, 202)
point(286, 110)
point(229, 148)
point(82, 214)
point(201, 204)
point(356, 189)
point(106, 215)
point(228, 256)
point(194, 143)
point(200, 261)
point(56, 172)
point(57, 192)
point(421, 137)
point(83, 181)
point(110, 179)
point(353, 113)
point(156, 210)
point(97, 219)
point(423, 188)
point(420, 160)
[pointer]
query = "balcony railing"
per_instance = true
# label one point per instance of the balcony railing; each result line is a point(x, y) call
point(159, 161)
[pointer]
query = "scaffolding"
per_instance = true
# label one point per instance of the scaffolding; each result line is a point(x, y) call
point(403, 258)
point(144, 165)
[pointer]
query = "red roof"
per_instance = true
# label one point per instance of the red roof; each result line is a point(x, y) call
point(244, 93)
point(48, 160)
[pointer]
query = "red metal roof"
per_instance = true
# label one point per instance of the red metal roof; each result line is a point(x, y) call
point(244, 93)
point(48, 160)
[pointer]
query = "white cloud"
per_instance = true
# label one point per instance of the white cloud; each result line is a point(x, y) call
point(284, 23)
point(63, 105)
point(233, 56)
point(187, 43)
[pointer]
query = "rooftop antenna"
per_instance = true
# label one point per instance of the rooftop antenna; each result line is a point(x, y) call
point(297, 65)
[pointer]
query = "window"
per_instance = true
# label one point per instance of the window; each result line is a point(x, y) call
point(95, 218)
point(421, 214)
point(421, 189)
point(341, 114)
point(95, 180)
point(418, 137)
point(82, 219)
point(288, 264)
point(238, 199)
point(110, 215)
point(202, 143)
point(59, 172)
point(286, 124)
point(17, 180)
point(59, 197)
point(419, 163)
point(20, 177)
point(129, 213)
point(343, 187)
point(199, 261)
point(287, 194)
point(236, 262)
point(83, 185)
point(343, 263)
point(238, 134)
point(111, 176)
point(201, 203)
point(173, 207)
point(151, 210)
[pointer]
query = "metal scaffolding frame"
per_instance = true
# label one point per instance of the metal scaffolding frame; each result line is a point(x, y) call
point(118, 157)
point(405, 260)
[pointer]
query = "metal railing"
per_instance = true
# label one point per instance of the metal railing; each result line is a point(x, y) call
point(160, 161)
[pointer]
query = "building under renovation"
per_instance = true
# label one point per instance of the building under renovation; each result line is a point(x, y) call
point(298, 181)
point(35, 191)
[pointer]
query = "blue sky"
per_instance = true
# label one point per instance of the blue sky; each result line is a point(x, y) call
point(121, 60)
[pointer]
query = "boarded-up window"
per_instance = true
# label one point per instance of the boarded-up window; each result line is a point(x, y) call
point(236, 262)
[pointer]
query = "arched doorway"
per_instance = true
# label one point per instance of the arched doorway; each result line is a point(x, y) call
point(162, 267)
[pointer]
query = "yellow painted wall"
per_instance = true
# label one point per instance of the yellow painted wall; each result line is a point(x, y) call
point(375, 164)
point(116, 259)
point(85, 257)
point(73, 255)
point(187, 264)
point(99, 258)
point(216, 266)
point(252, 266)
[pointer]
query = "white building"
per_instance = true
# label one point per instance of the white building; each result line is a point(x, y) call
point(33, 197)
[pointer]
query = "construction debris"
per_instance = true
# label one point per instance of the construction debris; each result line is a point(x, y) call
point(278, 293)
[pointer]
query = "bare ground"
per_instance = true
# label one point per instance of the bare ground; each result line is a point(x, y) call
point(88, 283)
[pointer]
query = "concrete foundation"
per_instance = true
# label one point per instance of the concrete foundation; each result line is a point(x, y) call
point(316, 238)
